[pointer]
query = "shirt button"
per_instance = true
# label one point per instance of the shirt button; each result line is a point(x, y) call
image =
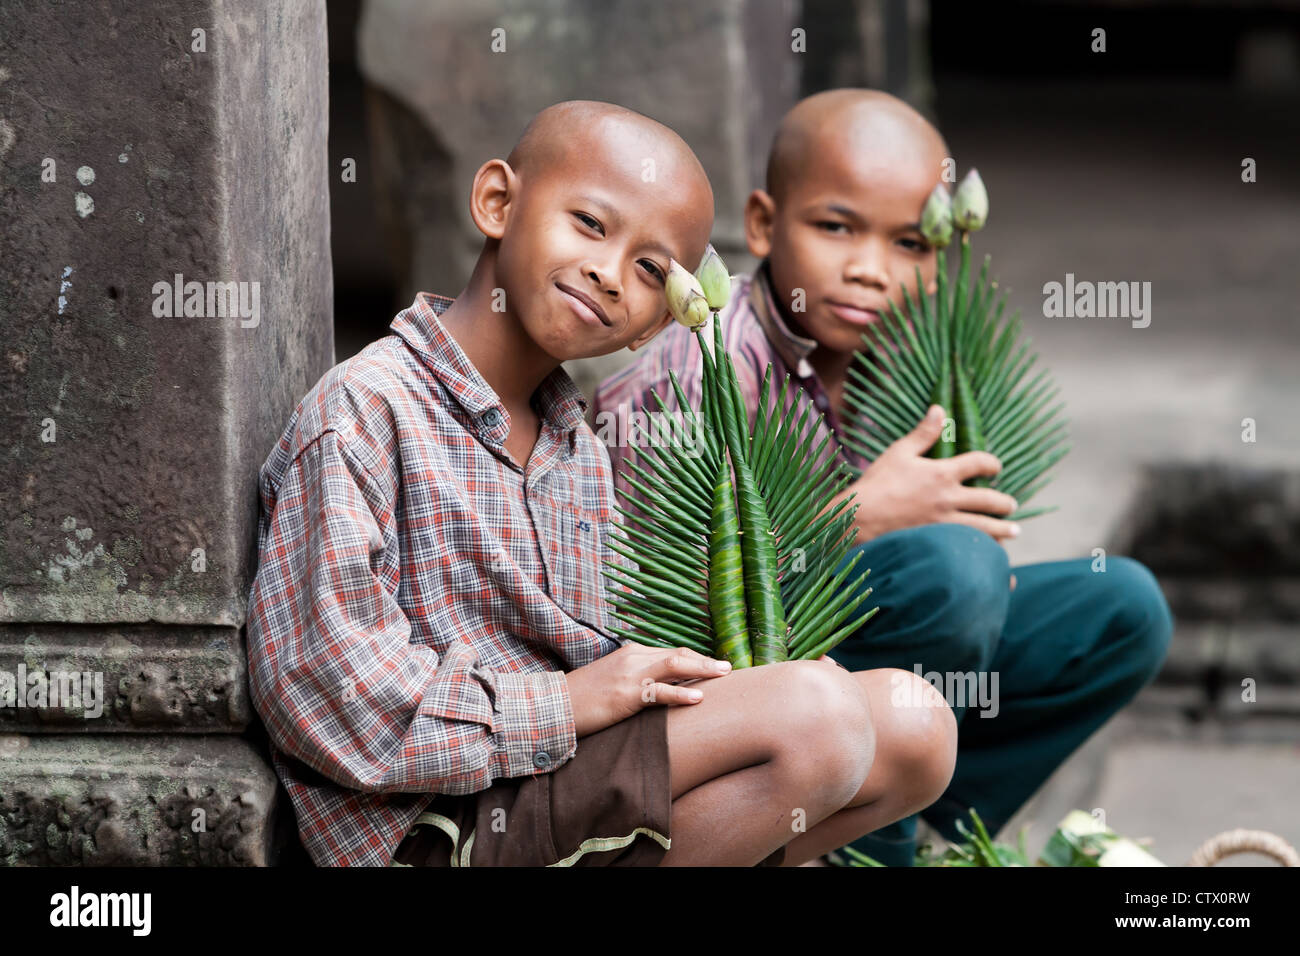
point(492, 418)
point(541, 760)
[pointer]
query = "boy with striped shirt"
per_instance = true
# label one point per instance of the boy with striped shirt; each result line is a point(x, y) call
point(837, 233)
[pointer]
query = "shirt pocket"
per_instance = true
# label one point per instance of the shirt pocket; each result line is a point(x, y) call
point(581, 591)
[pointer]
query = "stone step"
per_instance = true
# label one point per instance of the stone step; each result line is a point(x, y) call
point(1218, 652)
point(1180, 794)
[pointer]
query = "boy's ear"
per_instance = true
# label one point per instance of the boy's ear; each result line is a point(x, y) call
point(491, 197)
point(645, 337)
point(760, 216)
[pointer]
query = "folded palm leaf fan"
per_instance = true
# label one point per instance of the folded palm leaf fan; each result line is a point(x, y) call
point(737, 545)
point(953, 349)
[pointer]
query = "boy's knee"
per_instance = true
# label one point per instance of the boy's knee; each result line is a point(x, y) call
point(1139, 613)
point(975, 568)
point(965, 577)
point(921, 732)
point(826, 727)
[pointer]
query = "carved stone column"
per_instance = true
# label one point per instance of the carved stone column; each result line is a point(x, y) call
point(165, 300)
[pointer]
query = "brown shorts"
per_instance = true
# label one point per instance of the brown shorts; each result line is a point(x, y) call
point(610, 804)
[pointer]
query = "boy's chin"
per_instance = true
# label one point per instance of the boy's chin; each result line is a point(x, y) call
point(837, 335)
point(566, 345)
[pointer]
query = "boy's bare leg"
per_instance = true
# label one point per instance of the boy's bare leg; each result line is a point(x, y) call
point(771, 751)
point(766, 747)
point(916, 752)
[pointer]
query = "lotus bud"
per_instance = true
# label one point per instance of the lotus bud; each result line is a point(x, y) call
point(686, 299)
point(936, 218)
point(970, 207)
point(714, 279)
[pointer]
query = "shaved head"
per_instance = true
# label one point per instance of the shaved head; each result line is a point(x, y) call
point(868, 122)
point(563, 131)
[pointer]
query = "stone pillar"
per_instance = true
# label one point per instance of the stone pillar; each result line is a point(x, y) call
point(454, 83)
point(165, 300)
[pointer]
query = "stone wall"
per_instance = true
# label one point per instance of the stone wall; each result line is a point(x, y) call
point(138, 143)
point(454, 84)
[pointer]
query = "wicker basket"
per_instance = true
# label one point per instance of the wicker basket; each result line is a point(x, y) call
point(1245, 841)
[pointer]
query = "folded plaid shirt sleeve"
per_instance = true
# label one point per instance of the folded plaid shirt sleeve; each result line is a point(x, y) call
point(334, 673)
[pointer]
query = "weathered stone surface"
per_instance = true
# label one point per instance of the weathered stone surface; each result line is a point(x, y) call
point(1229, 596)
point(134, 801)
point(152, 678)
point(1267, 698)
point(1182, 793)
point(168, 157)
point(142, 146)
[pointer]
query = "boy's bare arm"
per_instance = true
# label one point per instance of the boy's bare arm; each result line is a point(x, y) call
point(904, 489)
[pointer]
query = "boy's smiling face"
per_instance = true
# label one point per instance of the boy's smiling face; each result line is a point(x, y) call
point(852, 176)
point(595, 210)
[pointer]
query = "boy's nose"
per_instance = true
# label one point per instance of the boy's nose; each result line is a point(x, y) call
point(598, 276)
point(867, 264)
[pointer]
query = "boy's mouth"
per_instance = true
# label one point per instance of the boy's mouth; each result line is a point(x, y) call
point(858, 315)
point(584, 306)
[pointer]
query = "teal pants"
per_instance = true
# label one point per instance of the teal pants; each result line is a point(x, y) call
point(1070, 646)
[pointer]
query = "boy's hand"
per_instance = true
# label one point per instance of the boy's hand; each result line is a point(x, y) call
point(616, 686)
point(904, 489)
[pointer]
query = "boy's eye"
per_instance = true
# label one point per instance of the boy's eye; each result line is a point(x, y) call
point(654, 270)
point(589, 221)
point(829, 225)
point(915, 245)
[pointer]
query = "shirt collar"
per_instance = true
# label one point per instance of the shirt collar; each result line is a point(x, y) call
point(559, 400)
point(793, 348)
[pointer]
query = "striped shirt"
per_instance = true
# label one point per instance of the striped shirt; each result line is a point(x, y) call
point(419, 594)
point(754, 333)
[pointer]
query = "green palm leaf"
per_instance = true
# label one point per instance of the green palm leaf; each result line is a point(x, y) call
point(955, 349)
point(735, 546)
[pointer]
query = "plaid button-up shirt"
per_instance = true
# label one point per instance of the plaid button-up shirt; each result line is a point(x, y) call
point(419, 593)
point(754, 333)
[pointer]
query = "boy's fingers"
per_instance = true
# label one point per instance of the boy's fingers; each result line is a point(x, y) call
point(659, 693)
point(996, 527)
point(972, 464)
point(919, 440)
point(984, 499)
point(830, 660)
point(685, 664)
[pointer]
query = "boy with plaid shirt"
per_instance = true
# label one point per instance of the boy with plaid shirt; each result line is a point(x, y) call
point(428, 634)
